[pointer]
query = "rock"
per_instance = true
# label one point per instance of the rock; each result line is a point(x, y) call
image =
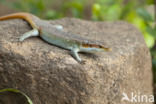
point(49, 75)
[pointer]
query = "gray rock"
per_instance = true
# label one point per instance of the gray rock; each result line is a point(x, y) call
point(49, 75)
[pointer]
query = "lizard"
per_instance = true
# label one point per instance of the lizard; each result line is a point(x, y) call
point(56, 36)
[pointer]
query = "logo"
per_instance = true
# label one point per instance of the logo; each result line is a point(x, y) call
point(137, 97)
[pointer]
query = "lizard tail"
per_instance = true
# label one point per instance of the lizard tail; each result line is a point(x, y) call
point(26, 16)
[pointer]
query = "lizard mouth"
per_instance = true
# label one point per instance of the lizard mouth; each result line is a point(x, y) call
point(96, 46)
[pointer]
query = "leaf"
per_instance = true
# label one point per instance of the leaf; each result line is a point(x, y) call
point(127, 9)
point(17, 91)
point(96, 8)
point(52, 14)
point(150, 41)
point(40, 5)
point(150, 1)
point(151, 31)
point(145, 15)
point(114, 12)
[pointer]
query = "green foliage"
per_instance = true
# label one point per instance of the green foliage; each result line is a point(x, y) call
point(37, 7)
point(133, 11)
point(47, 8)
point(113, 10)
point(145, 15)
point(76, 7)
point(105, 10)
point(150, 2)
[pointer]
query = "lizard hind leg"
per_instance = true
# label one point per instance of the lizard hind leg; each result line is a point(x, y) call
point(28, 34)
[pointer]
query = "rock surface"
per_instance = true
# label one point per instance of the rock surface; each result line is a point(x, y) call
point(49, 75)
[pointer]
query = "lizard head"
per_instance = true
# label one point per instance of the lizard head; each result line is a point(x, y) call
point(93, 48)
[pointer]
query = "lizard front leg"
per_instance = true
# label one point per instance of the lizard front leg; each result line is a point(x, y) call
point(74, 53)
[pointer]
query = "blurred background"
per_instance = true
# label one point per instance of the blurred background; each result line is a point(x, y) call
point(141, 13)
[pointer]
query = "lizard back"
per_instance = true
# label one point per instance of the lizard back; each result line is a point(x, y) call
point(51, 30)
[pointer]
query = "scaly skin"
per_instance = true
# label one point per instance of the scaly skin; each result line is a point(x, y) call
point(57, 37)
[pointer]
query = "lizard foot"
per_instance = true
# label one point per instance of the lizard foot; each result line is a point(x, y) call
point(82, 62)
